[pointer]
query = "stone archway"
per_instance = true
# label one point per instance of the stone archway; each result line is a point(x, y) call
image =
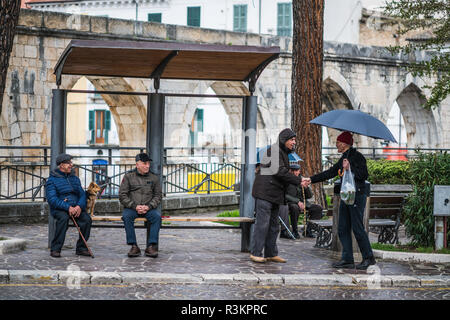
point(420, 124)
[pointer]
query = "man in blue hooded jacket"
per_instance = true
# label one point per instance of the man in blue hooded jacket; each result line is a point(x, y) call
point(66, 198)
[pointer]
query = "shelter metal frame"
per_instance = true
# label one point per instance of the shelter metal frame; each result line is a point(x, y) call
point(74, 59)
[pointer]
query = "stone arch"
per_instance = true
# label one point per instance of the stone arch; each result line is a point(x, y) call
point(338, 94)
point(420, 124)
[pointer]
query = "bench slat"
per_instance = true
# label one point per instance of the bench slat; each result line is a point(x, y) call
point(180, 218)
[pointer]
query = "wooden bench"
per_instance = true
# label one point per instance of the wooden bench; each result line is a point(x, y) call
point(384, 219)
point(244, 224)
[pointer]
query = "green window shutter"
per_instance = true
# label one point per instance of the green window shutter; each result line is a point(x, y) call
point(240, 18)
point(107, 120)
point(199, 120)
point(284, 20)
point(91, 119)
point(193, 16)
point(154, 17)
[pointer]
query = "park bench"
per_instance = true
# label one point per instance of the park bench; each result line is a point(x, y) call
point(384, 219)
point(116, 222)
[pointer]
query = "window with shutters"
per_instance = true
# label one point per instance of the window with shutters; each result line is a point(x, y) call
point(240, 18)
point(284, 20)
point(99, 126)
point(193, 16)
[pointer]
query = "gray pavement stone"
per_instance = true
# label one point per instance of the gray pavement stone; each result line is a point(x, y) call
point(33, 276)
point(318, 280)
point(217, 278)
point(12, 245)
point(74, 277)
point(99, 277)
point(4, 276)
point(434, 281)
point(245, 278)
point(269, 279)
point(405, 281)
point(155, 277)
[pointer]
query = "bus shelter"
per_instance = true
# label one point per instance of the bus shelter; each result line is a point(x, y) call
point(167, 60)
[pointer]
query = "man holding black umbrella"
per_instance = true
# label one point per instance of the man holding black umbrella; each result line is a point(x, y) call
point(350, 216)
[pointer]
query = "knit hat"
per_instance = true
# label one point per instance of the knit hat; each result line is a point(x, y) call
point(345, 137)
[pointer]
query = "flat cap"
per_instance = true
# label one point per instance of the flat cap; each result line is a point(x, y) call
point(62, 158)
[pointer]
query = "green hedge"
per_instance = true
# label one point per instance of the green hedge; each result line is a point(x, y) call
point(388, 172)
point(426, 171)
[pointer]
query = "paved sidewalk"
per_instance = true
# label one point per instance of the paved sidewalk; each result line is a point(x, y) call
point(208, 256)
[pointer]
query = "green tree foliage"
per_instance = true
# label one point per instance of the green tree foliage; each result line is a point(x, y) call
point(429, 16)
point(426, 171)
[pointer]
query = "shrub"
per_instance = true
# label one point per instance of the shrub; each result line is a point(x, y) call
point(388, 172)
point(426, 171)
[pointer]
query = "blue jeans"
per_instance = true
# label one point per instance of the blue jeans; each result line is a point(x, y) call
point(153, 217)
point(351, 219)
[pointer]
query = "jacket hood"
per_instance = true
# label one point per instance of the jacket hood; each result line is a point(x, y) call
point(59, 174)
point(284, 136)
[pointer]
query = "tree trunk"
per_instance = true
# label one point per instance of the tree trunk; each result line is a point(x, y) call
point(9, 16)
point(307, 72)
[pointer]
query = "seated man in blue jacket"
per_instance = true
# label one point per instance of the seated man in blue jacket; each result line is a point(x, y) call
point(65, 197)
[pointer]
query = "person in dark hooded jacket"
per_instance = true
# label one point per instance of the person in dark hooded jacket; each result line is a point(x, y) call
point(65, 197)
point(269, 190)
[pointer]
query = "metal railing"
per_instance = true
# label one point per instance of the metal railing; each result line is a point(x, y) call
point(22, 177)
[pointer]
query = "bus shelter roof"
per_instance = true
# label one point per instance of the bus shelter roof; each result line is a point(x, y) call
point(164, 60)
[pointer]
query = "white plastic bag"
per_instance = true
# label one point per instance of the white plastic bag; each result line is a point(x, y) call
point(348, 189)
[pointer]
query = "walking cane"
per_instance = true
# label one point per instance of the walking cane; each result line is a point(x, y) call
point(286, 227)
point(304, 212)
point(79, 231)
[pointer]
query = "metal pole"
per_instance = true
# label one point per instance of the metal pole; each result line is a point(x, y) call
point(155, 138)
point(58, 141)
point(248, 165)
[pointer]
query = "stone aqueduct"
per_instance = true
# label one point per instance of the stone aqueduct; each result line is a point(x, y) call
point(362, 77)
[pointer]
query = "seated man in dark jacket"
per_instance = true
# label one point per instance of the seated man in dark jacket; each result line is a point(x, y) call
point(296, 205)
point(65, 197)
point(140, 193)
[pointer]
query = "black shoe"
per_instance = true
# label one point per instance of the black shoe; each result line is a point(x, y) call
point(366, 263)
point(296, 234)
point(55, 254)
point(343, 264)
point(83, 253)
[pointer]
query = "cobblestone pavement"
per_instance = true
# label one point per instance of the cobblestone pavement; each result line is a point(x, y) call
point(185, 251)
point(198, 251)
point(216, 292)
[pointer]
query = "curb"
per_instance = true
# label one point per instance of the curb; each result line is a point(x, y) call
point(12, 245)
point(412, 256)
point(76, 277)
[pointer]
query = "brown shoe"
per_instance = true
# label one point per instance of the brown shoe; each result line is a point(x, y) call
point(152, 251)
point(83, 253)
point(134, 251)
point(276, 259)
point(257, 259)
point(55, 254)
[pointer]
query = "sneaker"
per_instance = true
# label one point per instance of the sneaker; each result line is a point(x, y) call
point(152, 251)
point(134, 251)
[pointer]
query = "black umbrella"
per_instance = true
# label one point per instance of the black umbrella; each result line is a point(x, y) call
point(355, 121)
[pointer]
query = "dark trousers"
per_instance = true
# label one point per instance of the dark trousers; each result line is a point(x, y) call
point(266, 228)
point(351, 218)
point(153, 217)
point(62, 218)
point(314, 212)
